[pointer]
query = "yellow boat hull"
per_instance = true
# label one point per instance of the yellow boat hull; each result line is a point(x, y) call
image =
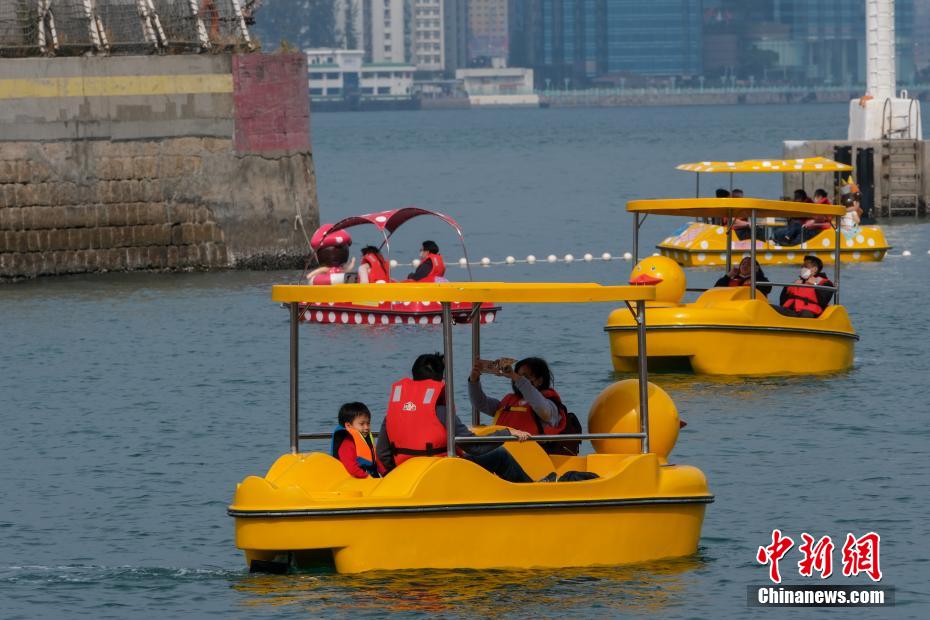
point(705, 245)
point(725, 333)
point(451, 513)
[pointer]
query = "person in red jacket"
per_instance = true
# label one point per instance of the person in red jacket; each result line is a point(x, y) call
point(374, 268)
point(415, 425)
point(804, 301)
point(431, 268)
point(352, 442)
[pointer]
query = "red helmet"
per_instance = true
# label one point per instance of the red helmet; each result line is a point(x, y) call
point(340, 237)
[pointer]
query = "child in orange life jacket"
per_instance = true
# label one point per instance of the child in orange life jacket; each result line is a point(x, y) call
point(374, 267)
point(352, 442)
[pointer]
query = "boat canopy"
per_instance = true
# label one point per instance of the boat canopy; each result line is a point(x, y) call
point(732, 207)
point(474, 292)
point(810, 164)
point(391, 220)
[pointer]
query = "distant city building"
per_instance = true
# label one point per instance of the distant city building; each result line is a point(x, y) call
point(428, 35)
point(383, 35)
point(455, 34)
point(922, 38)
point(337, 74)
point(816, 41)
point(577, 40)
point(488, 31)
point(499, 86)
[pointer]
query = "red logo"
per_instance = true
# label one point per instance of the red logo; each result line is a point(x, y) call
point(817, 557)
point(773, 553)
point(860, 555)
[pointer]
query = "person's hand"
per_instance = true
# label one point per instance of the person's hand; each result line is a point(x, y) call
point(512, 375)
point(475, 371)
point(733, 272)
point(520, 435)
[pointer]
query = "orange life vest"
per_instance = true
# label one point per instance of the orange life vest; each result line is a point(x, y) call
point(438, 270)
point(516, 413)
point(411, 422)
point(363, 453)
point(802, 298)
point(378, 270)
point(738, 281)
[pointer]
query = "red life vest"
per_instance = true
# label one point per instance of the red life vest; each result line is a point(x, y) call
point(411, 422)
point(378, 270)
point(323, 279)
point(802, 298)
point(363, 453)
point(438, 270)
point(738, 281)
point(516, 413)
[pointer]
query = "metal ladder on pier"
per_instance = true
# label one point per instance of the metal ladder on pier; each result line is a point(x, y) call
point(901, 162)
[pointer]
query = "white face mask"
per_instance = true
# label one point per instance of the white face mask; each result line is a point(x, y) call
point(805, 273)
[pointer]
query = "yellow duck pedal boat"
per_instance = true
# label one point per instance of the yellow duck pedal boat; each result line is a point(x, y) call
point(704, 244)
point(448, 512)
point(729, 331)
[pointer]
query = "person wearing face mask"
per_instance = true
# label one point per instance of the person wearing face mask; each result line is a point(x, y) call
point(803, 301)
point(532, 406)
point(740, 276)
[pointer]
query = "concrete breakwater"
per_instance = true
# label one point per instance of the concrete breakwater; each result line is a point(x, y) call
point(147, 162)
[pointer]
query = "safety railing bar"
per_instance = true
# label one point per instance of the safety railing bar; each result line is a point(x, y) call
point(814, 286)
point(574, 437)
point(493, 438)
point(323, 435)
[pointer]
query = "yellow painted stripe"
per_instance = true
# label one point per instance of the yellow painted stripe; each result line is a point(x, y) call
point(115, 86)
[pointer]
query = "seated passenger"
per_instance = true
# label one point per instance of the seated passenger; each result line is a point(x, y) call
point(432, 268)
point(803, 301)
point(374, 267)
point(533, 406)
point(740, 276)
point(415, 425)
point(332, 254)
point(352, 443)
point(793, 232)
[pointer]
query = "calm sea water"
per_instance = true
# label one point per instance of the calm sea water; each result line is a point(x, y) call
point(132, 404)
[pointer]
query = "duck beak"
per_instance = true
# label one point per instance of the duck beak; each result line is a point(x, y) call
point(644, 278)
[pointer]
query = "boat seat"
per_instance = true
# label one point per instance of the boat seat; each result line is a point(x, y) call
point(532, 458)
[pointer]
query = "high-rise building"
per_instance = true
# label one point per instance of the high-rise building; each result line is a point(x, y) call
point(428, 40)
point(455, 26)
point(382, 27)
point(922, 38)
point(580, 39)
point(488, 31)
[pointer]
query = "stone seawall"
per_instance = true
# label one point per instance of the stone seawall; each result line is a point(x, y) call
point(188, 162)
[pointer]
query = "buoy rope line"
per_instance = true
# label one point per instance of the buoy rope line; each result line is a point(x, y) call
point(568, 258)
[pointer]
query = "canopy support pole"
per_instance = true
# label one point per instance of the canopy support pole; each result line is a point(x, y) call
point(450, 388)
point(697, 185)
point(752, 255)
point(635, 238)
point(475, 351)
point(729, 241)
point(836, 263)
point(294, 367)
point(643, 373)
point(731, 185)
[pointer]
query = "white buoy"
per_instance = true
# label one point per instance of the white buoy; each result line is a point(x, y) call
point(569, 258)
point(510, 260)
point(627, 256)
point(906, 253)
point(485, 261)
point(605, 256)
point(531, 259)
point(588, 257)
point(463, 262)
point(552, 258)
point(393, 263)
point(415, 262)
point(655, 253)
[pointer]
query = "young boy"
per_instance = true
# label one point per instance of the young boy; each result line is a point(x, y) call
point(352, 443)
